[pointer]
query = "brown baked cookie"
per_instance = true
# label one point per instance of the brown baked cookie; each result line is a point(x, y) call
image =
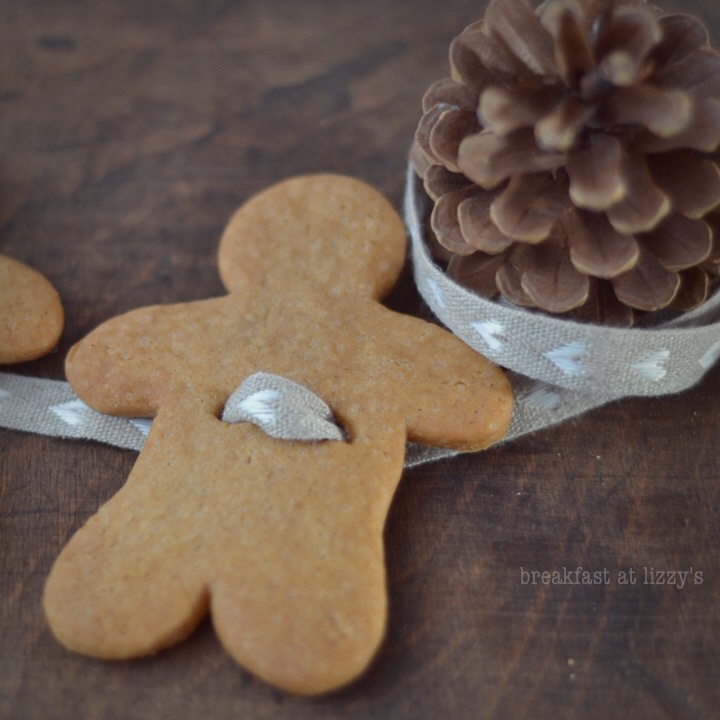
point(31, 315)
point(281, 540)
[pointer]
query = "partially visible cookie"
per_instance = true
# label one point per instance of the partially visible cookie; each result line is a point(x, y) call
point(31, 315)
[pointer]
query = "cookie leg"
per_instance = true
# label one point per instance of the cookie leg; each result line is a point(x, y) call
point(111, 594)
point(303, 603)
point(307, 629)
point(132, 580)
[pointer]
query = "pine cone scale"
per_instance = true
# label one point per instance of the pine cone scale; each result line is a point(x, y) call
point(698, 72)
point(449, 129)
point(476, 49)
point(681, 35)
point(573, 55)
point(648, 286)
point(558, 131)
point(448, 92)
point(663, 112)
point(596, 181)
point(475, 221)
point(439, 180)
point(477, 271)
point(560, 290)
point(644, 205)
point(691, 183)
point(712, 264)
point(694, 289)
point(596, 249)
point(701, 135)
point(444, 225)
point(488, 159)
point(680, 243)
point(503, 111)
point(509, 281)
point(513, 23)
point(529, 207)
point(626, 43)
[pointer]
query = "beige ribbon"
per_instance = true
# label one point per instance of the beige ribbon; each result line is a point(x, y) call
point(560, 368)
point(280, 407)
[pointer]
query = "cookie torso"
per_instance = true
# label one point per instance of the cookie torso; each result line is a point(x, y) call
point(369, 364)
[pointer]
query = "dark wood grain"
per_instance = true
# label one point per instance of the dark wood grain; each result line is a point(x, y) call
point(129, 131)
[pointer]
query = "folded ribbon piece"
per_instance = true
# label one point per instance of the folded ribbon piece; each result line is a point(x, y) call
point(282, 408)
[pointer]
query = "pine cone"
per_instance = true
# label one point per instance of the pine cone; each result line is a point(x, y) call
point(570, 158)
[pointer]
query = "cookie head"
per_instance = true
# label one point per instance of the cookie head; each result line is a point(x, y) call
point(324, 231)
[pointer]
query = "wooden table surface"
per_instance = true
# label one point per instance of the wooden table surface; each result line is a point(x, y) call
point(129, 132)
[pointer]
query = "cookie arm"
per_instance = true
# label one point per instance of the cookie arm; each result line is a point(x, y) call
point(126, 365)
point(454, 397)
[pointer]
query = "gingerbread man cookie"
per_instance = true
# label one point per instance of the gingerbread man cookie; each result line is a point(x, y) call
point(31, 314)
point(282, 541)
